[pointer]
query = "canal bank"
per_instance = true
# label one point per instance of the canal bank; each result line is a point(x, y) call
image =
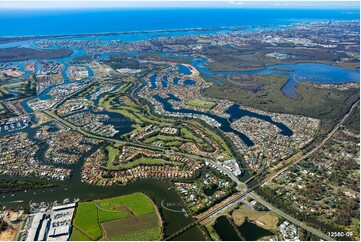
point(157, 190)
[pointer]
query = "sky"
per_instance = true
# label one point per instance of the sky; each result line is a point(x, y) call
point(4, 4)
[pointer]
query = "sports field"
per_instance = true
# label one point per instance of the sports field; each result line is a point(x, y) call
point(128, 216)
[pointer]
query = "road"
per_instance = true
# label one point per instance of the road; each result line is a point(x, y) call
point(289, 218)
point(218, 165)
point(85, 133)
point(260, 200)
point(323, 142)
point(231, 175)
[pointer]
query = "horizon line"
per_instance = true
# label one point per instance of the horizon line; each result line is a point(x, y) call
point(152, 4)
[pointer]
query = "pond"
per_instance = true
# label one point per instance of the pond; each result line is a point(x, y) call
point(252, 232)
point(210, 191)
point(225, 230)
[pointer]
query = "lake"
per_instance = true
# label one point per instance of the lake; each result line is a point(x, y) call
point(309, 72)
point(252, 232)
point(225, 230)
point(298, 74)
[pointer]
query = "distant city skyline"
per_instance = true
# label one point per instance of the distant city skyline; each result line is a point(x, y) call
point(43, 4)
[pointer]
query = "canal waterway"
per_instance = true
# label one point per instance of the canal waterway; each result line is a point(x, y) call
point(235, 111)
point(161, 190)
point(158, 190)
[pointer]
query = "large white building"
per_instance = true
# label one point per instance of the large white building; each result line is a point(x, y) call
point(52, 224)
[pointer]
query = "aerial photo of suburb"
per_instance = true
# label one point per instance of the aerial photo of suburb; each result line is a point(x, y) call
point(179, 120)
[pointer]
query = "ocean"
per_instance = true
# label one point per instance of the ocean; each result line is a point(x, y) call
point(31, 22)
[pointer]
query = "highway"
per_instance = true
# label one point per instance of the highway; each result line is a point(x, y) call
point(289, 218)
point(250, 191)
point(218, 165)
point(230, 174)
point(323, 142)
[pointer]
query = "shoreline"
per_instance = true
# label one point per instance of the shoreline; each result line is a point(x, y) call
point(74, 35)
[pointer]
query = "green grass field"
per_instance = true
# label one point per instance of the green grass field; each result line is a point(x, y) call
point(199, 141)
point(105, 216)
point(138, 203)
point(112, 153)
point(162, 137)
point(215, 137)
point(196, 102)
point(86, 219)
point(76, 235)
point(90, 215)
point(15, 88)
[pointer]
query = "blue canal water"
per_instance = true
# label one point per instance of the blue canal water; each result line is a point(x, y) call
point(44, 95)
point(119, 122)
point(165, 81)
point(153, 82)
point(189, 82)
point(184, 70)
point(235, 113)
point(30, 22)
point(22, 22)
point(176, 81)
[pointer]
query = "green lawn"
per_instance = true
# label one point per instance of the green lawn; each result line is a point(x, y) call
point(215, 137)
point(76, 235)
point(105, 216)
point(86, 219)
point(172, 144)
point(112, 153)
point(88, 216)
point(197, 140)
point(196, 102)
point(162, 137)
point(138, 203)
point(189, 135)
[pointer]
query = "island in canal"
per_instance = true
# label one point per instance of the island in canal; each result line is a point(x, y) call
point(245, 133)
